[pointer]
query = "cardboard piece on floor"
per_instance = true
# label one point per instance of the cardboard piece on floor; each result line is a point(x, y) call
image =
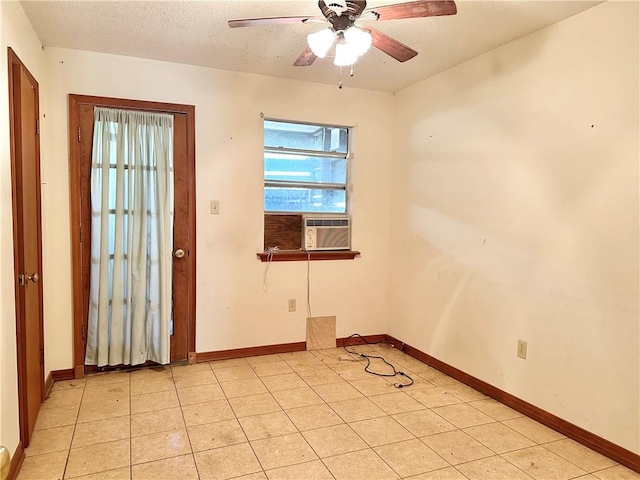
point(321, 333)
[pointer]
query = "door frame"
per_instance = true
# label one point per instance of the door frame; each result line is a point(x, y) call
point(15, 64)
point(75, 102)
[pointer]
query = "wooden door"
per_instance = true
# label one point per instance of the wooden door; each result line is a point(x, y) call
point(181, 230)
point(27, 241)
point(81, 117)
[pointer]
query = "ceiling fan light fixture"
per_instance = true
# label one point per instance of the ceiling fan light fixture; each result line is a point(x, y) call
point(320, 42)
point(352, 41)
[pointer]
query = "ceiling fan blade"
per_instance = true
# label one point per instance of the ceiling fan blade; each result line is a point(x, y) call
point(421, 8)
point(391, 46)
point(306, 58)
point(259, 22)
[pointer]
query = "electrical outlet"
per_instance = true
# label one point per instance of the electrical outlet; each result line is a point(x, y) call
point(214, 206)
point(292, 304)
point(522, 349)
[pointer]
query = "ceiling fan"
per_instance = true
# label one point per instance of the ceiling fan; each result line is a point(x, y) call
point(350, 38)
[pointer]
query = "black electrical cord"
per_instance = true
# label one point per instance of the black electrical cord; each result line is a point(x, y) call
point(369, 357)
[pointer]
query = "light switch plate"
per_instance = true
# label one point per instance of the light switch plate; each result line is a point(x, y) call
point(215, 207)
point(522, 349)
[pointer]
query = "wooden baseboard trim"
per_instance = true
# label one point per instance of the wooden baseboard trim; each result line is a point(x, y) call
point(16, 462)
point(59, 375)
point(250, 351)
point(580, 435)
point(48, 384)
point(340, 342)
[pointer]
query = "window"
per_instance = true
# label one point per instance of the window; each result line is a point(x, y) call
point(305, 168)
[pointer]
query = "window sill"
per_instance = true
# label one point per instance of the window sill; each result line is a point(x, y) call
point(301, 255)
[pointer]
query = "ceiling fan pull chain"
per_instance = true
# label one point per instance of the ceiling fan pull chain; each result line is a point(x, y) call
point(340, 83)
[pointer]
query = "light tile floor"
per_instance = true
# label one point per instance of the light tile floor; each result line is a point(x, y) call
point(302, 415)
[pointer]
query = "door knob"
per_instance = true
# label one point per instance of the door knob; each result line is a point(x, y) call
point(179, 253)
point(34, 278)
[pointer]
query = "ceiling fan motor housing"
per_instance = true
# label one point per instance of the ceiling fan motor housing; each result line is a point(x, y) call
point(342, 13)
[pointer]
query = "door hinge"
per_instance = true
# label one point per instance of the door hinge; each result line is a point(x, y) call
point(42, 356)
point(21, 280)
point(37, 126)
point(78, 134)
point(81, 234)
point(84, 332)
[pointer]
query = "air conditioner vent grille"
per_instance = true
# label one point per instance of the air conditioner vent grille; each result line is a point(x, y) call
point(327, 222)
point(330, 238)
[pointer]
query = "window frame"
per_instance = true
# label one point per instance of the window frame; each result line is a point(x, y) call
point(348, 157)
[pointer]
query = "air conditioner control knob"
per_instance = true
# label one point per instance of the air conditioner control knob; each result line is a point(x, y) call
point(309, 232)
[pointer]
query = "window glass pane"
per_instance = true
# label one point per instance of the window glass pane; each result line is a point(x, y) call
point(122, 233)
point(112, 234)
point(294, 199)
point(113, 177)
point(305, 137)
point(113, 187)
point(298, 168)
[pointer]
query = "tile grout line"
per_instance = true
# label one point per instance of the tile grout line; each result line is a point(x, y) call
point(498, 454)
point(130, 431)
point(184, 421)
point(75, 424)
point(235, 416)
point(542, 445)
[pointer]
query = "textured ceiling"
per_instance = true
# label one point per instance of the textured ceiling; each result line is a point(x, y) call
point(196, 32)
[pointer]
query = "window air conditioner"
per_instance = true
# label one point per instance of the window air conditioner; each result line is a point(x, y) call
point(326, 233)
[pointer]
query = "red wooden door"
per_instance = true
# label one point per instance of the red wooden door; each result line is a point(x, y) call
point(27, 243)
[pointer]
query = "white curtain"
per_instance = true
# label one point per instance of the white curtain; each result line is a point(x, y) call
point(131, 238)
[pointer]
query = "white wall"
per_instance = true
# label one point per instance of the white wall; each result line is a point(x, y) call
point(16, 32)
point(232, 310)
point(515, 203)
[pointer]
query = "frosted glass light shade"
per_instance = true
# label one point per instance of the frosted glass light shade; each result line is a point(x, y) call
point(354, 43)
point(320, 42)
point(358, 40)
point(344, 55)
